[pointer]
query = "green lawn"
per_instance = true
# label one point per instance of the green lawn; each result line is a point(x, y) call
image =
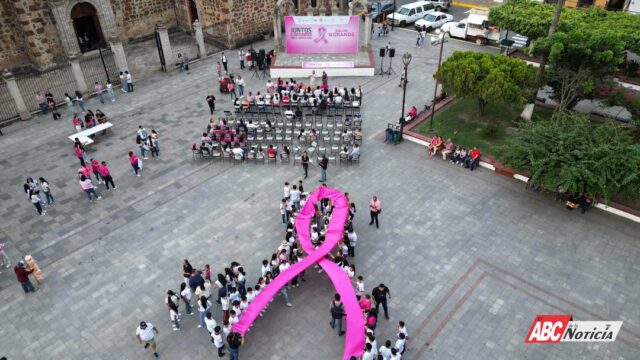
point(461, 122)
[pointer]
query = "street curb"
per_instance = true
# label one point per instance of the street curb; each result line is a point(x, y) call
point(525, 179)
point(468, 6)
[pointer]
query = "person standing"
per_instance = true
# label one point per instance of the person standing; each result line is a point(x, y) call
point(80, 100)
point(219, 70)
point(153, 144)
point(88, 188)
point(223, 58)
point(235, 340)
point(185, 62)
point(4, 259)
point(379, 295)
point(305, 163)
point(204, 306)
point(211, 100)
point(337, 312)
point(22, 274)
point(110, 91)
point(135, 163)
point(123, 82)
point(69, 101)
point(129, 81)
point(145, 335)
point(99, 89)
point(95, 168)
point(375, 209)
point(42, 102)
point(218, 342)
point(312, 80)
point(51, 103)
point(46, 188)
point(37, 202)
point(240, 83)
point(105, 173)
point(241, 58)
point(324, 163)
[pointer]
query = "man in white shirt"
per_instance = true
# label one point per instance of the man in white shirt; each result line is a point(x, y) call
point(129, 81)
point(237, 150)
point(145, 334)
point(368, 354)
point(355, 152)
point(395, 354)
point(295, 196)
point(353, 239)
point(400, 343)
point(385, 350)
point(223, 59)
point(210, 322)
point(216, 338)
point(289, 114)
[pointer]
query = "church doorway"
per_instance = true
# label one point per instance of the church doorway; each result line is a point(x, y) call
point(87, 26)
point(193, 11)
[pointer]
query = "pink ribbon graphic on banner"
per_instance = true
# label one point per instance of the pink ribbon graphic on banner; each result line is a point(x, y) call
point(354, 342)
point(321, 33)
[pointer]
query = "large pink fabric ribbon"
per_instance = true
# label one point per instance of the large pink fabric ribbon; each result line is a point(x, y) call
point(321, 34)
point(354, 342)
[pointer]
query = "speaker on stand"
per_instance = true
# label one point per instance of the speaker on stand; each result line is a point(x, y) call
point(382, 53)
point(392, 54)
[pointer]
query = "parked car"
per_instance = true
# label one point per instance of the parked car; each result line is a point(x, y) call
point(433, 20)
point(410, 13)
point(381, 7)
point(441, 5)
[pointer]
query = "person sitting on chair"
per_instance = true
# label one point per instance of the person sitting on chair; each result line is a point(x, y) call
point(473, 159)
point(298, 113)
point(355, 152)
point(289, 114)
point(271, 152)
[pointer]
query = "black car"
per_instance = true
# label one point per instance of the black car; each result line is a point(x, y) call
point(377, 8)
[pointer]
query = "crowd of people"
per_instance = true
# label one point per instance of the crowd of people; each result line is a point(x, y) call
point(200, 289)
point(458, 155)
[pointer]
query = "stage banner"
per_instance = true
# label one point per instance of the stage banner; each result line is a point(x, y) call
point(321, 34)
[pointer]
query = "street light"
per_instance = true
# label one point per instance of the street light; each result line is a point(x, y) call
point(406, 60)
point(393, 14)
point(435, 41)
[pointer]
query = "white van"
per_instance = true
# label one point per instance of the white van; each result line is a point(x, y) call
point(410, 13)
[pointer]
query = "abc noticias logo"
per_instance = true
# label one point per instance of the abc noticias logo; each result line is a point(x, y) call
point(562, 328)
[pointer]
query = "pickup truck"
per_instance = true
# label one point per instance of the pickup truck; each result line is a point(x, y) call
point(441, 5)
point(475, 27)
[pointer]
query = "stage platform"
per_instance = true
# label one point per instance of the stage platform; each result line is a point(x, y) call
point(301, 65)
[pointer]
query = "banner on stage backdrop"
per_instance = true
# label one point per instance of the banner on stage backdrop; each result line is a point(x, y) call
point(321, 34)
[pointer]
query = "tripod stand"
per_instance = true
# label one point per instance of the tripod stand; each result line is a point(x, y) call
point(381, 70)
point(256, 73)
point(390, 69)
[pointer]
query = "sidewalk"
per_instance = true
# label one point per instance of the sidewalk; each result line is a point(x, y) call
point(477, 4)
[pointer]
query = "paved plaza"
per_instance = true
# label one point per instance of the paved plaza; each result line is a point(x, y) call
point(470, 257)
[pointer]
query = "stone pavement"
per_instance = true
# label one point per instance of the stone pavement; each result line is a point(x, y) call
point(470, 257)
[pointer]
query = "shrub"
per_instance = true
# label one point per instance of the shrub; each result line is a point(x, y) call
point(632, 68)
point(489, 131)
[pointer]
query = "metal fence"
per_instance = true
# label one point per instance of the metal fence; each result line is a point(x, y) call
point(93, 69)
point(59, 80)
point(8, 110)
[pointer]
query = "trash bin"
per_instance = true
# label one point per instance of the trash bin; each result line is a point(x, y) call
point(396, 136)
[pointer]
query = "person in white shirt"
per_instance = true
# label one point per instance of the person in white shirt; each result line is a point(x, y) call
point(204, 306)
point(233, 318)
point(265, 267)
point(287, 190)
point(237, 151)
point(244, 303)
point(353, 240)
point(355, 152)
point(185, 295)
point(368, 354)
point(210, 322)
point(129, 81)
point(371, 339)
point(403, 329)
point(385, 350)
point(250, 295)
point(360, 286)
point(395, 354)
point(289, 114)
point(400, 343)
point(226, 328)
point(295, 196)
point(145, 335)
point(218, 342)
point(204, 290)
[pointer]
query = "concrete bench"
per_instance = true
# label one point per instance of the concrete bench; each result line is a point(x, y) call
point(84, 135)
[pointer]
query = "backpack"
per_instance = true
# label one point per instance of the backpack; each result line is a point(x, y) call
point(336, 311)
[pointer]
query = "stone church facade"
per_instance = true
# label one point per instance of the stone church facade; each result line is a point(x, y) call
point(44, 33)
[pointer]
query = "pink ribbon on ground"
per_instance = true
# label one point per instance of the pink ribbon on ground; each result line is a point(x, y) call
point(354, 341)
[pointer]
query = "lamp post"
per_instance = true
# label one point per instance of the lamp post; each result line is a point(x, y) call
point(393, 16)
point(434, 42)
point(406, 60)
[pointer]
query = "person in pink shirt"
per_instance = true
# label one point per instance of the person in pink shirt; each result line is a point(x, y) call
point(365, 303)
point(77, 123)
point(106, 175)
point(79, 151)
point(87, 187)
point(95, 166)
point(135, 163)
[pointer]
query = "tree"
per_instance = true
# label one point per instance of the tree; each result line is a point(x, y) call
point(570, 153)
point(578, 60)
point(487, 77)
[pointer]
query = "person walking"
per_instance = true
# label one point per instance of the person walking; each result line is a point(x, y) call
point(380, 295)
point(135, 163)
point(305, 163)
point(105, 173)
point(211, 100)
point(22, 274)
point(337, 312)
point(235, 340)
point(241, 58)
point(42, 102)
point(324, 163)
point(46, 189)
point(204, 306)
point(95, 168)
point(129, 81)
point(112, 95)
point(145, 335)
point(37, 202)
point(69, 101)
point(153, 144)
point(88, 188)
point(219, 70)
point(51, 104)
point(99, 90)
point(375, 209)
point(185, 295)
point(223, 59)
point(123, 82)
